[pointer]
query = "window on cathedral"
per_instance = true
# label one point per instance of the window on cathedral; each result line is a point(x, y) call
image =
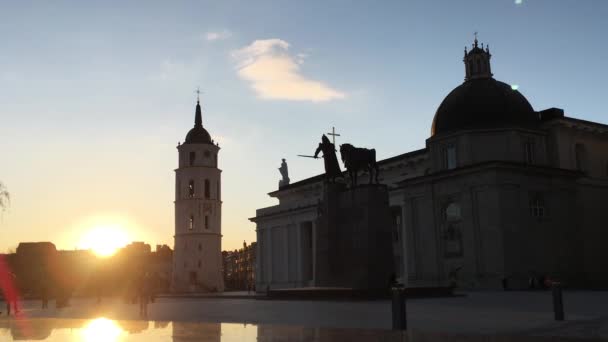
point(207, 154)
point(529, 152)
point(206, 222)
point(199, 264)
point(452, 212)
point(207, 190)
point(191, 223)
point(191, 189)
point(200, 247)
point(217, 194)
point(452, 231)
point(396, 217)
point(449, 157)
point(192, 158)
point(537, 206)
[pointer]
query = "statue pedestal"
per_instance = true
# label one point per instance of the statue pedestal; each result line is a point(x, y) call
point(354, 238)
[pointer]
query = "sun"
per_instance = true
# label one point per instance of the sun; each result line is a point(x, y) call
point(104, 240)
point(101, 329)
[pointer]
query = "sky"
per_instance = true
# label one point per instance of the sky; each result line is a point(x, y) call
point(95, 95)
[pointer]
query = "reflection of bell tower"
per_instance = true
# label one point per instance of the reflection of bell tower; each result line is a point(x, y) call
point(197, 258)
point(477, 62)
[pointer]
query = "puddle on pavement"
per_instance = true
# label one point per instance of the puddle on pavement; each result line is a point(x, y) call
point(107, 330)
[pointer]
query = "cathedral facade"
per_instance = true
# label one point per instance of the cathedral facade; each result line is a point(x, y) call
point(197, 258)
point(501, 194)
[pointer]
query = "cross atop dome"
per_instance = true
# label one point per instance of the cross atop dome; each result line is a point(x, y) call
point(477, 61)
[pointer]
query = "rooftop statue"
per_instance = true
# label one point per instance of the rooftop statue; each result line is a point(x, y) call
point(285, 173)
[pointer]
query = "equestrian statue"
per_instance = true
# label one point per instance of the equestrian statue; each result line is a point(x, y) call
point(355, 159)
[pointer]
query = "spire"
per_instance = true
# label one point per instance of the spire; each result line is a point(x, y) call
point(477, 61)
point(198, 117)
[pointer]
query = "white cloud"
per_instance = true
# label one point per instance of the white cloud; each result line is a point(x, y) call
point(275, 74)
point(217, 35)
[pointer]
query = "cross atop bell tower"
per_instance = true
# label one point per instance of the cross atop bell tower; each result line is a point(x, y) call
point(477, 61)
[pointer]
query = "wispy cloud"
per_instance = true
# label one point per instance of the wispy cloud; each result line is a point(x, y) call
point(275, 74)
point(217, 35)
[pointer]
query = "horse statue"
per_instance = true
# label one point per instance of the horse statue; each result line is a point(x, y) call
point(356, 159)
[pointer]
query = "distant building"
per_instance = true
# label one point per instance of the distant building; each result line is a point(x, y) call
point(39, 267)
point(500, 192)
point(137, 248)
point(239, 267)
point(197, 259)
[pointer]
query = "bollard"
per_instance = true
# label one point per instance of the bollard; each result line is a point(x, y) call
point(558, 302)
point(399, 313)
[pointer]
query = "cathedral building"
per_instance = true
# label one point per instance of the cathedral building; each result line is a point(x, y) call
point(500, 192)
point(197, 258)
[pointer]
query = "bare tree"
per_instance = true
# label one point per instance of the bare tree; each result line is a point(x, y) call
point(5, 198)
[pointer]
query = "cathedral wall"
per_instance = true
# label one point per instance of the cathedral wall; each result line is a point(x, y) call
point(592, 155)
point(477, 228)
point(488, 145)
point(592, 221)
point(540, 245)
point(285, 254)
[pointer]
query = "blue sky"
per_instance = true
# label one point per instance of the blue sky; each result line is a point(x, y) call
point(95, 95)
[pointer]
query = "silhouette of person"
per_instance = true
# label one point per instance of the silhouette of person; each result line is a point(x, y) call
point(8, 284)
point(44, 295)
point(332, 168)
point(145, 290)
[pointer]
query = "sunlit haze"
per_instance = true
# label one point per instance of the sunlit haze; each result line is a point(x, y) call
point(96, 96)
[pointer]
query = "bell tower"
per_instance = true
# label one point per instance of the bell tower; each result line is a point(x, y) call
point(477, 61)
point(197, 257)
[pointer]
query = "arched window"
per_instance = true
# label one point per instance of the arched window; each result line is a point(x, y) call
point(191, 188)
point(200, 247)
point(206, 222)
point(207, 190)
point(191, 223)
point(192, 158)
point(199, 264)
point(218, 195)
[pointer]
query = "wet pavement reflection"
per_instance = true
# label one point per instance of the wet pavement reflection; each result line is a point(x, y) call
point(107, 330)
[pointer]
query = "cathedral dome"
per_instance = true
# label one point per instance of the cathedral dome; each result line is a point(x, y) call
point(481, 101)
point(198, 134)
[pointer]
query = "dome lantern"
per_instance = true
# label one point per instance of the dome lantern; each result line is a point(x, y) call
point(477, 62)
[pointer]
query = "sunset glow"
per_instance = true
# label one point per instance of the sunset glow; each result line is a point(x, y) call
point(101, 329)
point(104, 240)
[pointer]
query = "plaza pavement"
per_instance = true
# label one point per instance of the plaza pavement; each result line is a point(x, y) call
point(517, 312)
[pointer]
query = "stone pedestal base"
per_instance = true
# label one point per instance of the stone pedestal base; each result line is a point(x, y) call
point(354, 238)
